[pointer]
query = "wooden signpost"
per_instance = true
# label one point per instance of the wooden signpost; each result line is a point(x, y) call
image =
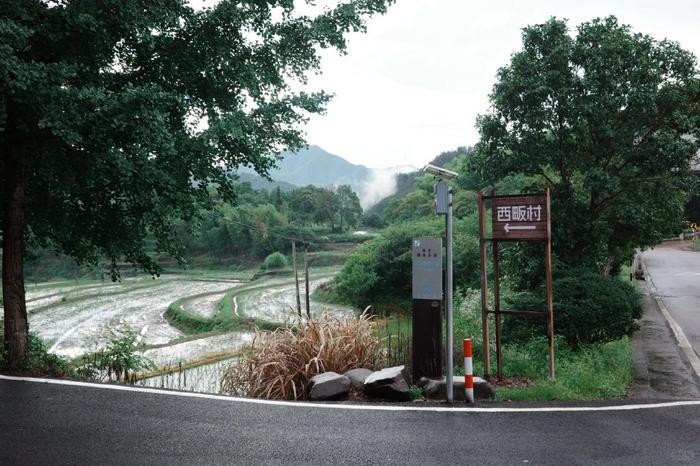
point(514, 218)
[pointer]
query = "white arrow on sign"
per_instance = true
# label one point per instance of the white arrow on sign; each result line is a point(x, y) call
point(507, 227)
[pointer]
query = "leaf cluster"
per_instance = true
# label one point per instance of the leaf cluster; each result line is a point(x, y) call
point(122, 112)
point(588, 308)
point(609, 120)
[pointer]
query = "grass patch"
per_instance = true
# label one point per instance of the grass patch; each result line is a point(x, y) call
point(224, 320)
point(172, 368)
point(327, 258)
point(212, 274)
point(597, 371)
point(395, 334)
point(625, 273)
point(328, 293)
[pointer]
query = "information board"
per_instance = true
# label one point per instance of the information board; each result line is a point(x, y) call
point(426, 257)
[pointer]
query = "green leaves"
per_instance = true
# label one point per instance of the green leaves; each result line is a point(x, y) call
point(604, 119)
point(130, 108)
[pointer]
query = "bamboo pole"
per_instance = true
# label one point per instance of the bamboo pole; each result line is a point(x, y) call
point(296, 277)
point(306, 279)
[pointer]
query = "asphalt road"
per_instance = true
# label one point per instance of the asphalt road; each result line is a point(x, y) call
point(676, 274)
point(58, 424)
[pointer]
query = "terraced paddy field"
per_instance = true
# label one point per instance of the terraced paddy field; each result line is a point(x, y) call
point(78, 318)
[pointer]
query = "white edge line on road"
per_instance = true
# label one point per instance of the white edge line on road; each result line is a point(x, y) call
point(357, 407)
point(678, 333)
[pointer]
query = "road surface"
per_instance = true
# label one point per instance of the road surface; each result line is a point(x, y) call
point(675, 272)
point(44, 423)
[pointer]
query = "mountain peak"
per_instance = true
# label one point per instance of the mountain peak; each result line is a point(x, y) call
point(313, 165)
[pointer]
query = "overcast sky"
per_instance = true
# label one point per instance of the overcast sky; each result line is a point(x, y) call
point(412, 86)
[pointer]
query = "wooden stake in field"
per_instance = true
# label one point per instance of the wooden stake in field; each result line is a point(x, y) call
point(296, 277)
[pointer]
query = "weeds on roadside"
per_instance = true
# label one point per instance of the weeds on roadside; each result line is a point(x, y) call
point(416, 392)
point(596, 371)
point(118, 362)
point(280, 363)
point(40, 362)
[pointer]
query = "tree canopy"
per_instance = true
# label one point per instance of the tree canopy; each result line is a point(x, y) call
point(116, 115)
point(610, 120)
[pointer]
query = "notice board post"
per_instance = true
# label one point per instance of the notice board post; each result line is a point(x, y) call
point(426, 259)
point(514, 218)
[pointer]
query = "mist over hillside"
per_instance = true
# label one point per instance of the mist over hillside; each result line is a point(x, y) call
point(317, 167)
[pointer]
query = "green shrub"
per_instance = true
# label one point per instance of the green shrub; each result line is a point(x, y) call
point(276, 260)
point(40, 361)
point(379, 270)
point(588, 308)
point(119, 361)
point(416, 392)
point(371, 221)
point(467, 324)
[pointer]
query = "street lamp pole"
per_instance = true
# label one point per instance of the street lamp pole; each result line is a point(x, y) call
point(450, 336)
point(443, 205)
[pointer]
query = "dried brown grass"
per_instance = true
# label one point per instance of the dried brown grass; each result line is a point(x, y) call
point(280, 364)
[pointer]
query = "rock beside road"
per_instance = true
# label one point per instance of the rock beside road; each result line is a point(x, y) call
point(328, 386)
point(392, 383)
point(357, 377)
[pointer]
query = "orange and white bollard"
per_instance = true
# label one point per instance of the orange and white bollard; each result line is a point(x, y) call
point(468, 371)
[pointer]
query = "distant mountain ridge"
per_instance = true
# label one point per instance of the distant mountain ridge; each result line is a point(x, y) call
point(316, 166)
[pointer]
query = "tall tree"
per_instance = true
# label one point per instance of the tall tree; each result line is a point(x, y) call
point(349, 208)
point(606, 119)
point(101, 111)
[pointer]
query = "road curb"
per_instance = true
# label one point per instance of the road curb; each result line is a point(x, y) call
point(678, 334)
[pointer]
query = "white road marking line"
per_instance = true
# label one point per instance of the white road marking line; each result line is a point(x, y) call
point(357, 407)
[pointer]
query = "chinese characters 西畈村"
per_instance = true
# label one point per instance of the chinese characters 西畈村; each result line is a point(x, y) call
point(519, 213)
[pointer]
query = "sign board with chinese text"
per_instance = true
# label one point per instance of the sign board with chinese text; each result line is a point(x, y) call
point(426, 258)
point(519, 217)
point(523, 217)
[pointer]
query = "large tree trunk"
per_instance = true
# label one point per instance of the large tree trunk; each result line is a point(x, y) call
point(12, 256)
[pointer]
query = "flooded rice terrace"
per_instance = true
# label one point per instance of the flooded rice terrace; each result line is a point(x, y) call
point(87, 325)
point(73, 319)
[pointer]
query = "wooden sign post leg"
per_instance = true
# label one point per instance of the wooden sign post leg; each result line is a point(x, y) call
point(484, 289)
point(550, 299)
point(497, 311)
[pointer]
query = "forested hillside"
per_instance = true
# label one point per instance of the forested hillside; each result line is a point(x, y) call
point(241, 234)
